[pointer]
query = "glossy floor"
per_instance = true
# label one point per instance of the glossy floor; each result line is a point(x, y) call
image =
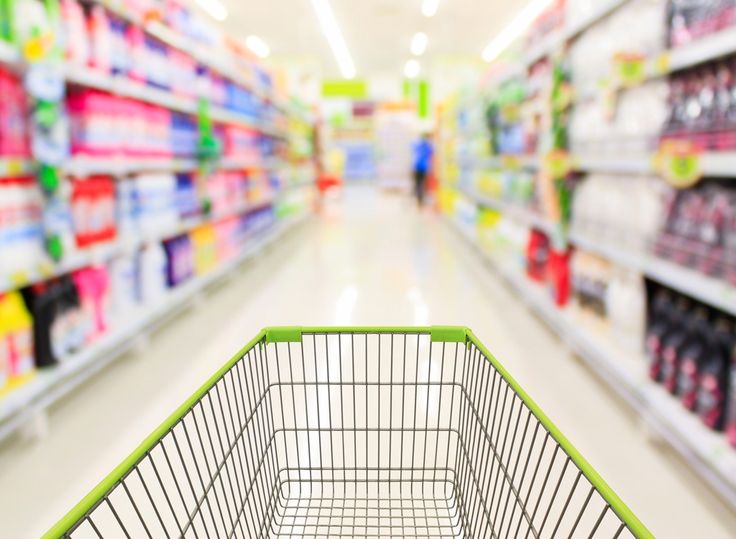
point(371, 259)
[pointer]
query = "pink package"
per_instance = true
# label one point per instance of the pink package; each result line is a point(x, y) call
point(136, 39)
point(14, 130)
point(93, 286)
point(100, 32)
point(92, 118)
point(75, 32)
point(225, 235)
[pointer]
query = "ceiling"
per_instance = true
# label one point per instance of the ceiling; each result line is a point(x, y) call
point(377, 32)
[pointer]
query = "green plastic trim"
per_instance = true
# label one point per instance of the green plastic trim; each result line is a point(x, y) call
point(283, 334)
point(617, 505)
point(448, 334)
point(108, 483)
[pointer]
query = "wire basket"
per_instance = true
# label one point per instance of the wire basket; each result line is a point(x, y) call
point(355, 432)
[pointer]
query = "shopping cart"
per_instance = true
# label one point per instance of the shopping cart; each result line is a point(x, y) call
point(355, 432)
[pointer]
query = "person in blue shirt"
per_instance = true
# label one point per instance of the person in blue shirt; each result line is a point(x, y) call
point(423, 152)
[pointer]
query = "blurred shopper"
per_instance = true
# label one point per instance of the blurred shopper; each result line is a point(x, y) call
point(423, 152)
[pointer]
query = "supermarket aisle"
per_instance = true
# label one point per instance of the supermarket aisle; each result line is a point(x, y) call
point(370, 260)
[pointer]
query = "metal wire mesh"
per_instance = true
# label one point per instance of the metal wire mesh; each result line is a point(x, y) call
point(356, 435)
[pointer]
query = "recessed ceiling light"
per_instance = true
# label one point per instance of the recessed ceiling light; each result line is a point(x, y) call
point(257, 46)
point(331, 30)
point(214, 8)
point(411, 69)
point(429, 7)
point(514, 29)
point(419, 43)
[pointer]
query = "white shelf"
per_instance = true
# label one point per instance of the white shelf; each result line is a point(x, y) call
point(52, 384)
point(712, 164)
point(514, 211)
point(708, 290)
point(706, 451)
point(82, 166)
point(102, 253)
point(123, 86)
point(703, 50)
point(528, 162)
point(615, 164)
point(12, 168)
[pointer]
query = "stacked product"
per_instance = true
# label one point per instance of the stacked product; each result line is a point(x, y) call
point(702, 106)
point(613, 298)
point(700, 229)
point(688, 20)
point(690, 349)
point(623, 211)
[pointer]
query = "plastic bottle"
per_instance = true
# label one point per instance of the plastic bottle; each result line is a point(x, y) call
point(16, 337)
point(21, 227)
point(152, 273)
point(660, 316)
point(714, 376)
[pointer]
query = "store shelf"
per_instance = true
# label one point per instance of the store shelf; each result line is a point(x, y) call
point(712, 164)
point(84, 76)
point(119, 165)
point(708, 290)
point(702, 50)
point(524, 162)
point(20, 406)
point(615, 164)
point(512, 210)
point(103, 253)
point(12, 168)
point(707, 452)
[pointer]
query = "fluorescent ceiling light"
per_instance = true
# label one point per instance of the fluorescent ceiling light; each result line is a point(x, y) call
point(332, 32)
point(514, 29)
point(214, 8)
point(257, 46)
point(429, 7)
point(419, 43)
point(411, 69)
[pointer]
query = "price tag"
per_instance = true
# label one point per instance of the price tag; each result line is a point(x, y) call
point(629, 68)
point(557, 163)
point(679, 163)
point(661, 64)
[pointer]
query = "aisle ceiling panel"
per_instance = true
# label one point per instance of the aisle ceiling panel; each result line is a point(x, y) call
point(378, 32)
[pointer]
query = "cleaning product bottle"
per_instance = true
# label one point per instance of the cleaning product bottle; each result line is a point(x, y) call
point(678, 339)
point(658, 326)
point(16, 325)
point(699, 348)
point(714, 376)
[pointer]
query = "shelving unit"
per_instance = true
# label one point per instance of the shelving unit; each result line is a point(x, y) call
point(707, 452)
point(50, 385)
